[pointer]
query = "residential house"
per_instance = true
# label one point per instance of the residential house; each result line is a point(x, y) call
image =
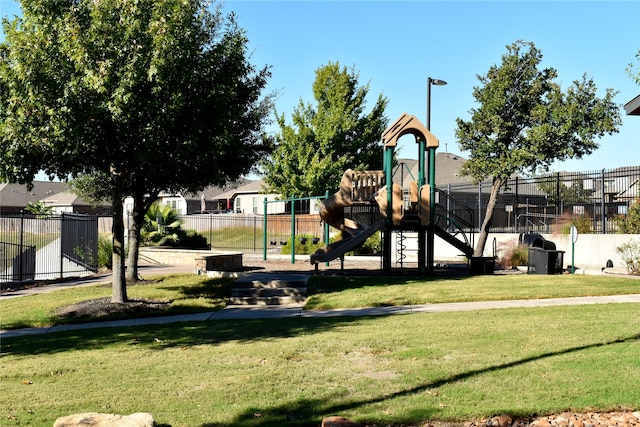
point(14, 198)
point(250, 198)
point(205, 201)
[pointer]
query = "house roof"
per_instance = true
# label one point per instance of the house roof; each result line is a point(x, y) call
point(212, 192)
point(17, 195)
point(251, 187)
point(633, 107)
point(447, 167)
point(65, 198)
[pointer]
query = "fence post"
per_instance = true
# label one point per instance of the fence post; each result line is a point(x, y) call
point(255, 232)
point(326, 227)
point(602, 200)
point(264, 231)
point(61, 248)
point(479, 206)
point(21, 250)
point(293, 230)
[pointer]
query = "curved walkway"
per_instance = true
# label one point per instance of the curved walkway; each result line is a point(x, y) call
point(274, 312)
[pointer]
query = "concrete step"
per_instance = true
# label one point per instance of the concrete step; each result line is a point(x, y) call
point(267, 300)
point(268, 292)
point(272, 280)
point(269, 289)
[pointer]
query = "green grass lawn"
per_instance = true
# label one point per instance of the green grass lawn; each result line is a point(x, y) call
point(389, 370)
point(188, 293)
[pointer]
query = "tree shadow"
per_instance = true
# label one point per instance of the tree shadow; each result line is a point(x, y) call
point(327, 283)
point(309, 412)
point(304, 412)
point(163, 336)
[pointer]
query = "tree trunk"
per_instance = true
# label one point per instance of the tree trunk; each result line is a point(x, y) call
point(141, 203)
point(486, 223)
point(134, 251)
point(135, 226)
point(119, 286)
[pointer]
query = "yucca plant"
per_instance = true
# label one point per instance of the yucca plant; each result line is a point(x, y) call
point(161, 225)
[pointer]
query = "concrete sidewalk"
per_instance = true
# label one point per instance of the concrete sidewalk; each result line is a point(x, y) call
point(274, 312)
point(277, 312)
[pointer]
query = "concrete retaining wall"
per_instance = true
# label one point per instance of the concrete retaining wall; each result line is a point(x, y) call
point(590, 250)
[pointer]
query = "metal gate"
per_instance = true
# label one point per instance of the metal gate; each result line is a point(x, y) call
point(79, 240)
point(47, 248)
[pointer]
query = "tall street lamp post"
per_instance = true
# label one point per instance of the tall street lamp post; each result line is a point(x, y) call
point(432, 180)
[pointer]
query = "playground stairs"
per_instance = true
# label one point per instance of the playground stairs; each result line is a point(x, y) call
point(454, 241)
point(269, 289)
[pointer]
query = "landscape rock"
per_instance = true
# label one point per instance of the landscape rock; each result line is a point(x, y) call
point(565, 419)
point(94, 419)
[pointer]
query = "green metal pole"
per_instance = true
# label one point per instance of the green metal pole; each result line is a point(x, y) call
point(264, 231)
point(293, 230)
point(432, 210)
point(388, 173)
point(573, 263)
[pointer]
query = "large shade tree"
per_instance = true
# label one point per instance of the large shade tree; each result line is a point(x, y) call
point(327, 138)
point(525, 122)
point(147, 95)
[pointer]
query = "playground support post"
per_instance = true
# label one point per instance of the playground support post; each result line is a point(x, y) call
point(432, 179)
point(386, 238)
point(432, 211)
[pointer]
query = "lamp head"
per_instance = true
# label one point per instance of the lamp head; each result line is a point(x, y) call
point(437, 82)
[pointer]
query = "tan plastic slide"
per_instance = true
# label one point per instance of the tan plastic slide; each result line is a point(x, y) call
point(354, 185)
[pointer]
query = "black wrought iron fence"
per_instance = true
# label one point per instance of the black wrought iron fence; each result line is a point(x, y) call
point(598, 200)
point(47, 247)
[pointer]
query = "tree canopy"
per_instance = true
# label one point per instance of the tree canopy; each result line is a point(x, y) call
point(525, 122)
point(634, 69)
point(327, 138)
point(149, 95)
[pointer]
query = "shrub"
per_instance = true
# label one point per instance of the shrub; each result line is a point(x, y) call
point(105, 252)
point(629, 223)
point(514, 256)
point(583, 224)
point(372, 246)
point(630, 254)
point(189, 239)
point(159, 226)
point(306, 248)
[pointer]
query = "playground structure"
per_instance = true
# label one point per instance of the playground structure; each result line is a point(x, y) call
point(375, 196)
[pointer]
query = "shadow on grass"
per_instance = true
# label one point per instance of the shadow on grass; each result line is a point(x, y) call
point(335, 283)
point(305, 412)
point(160, 337)
point(310, 412)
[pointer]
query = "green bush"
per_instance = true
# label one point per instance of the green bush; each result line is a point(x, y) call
point(189, 239)
point(372, 246)
point(629, 223)
point(105, 252)
point(306, 248)
point(630, 254)
point(583, 224)
point(514, 256)
point(159, 226)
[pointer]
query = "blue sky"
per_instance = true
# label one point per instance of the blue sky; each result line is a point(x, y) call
point(396, 45)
